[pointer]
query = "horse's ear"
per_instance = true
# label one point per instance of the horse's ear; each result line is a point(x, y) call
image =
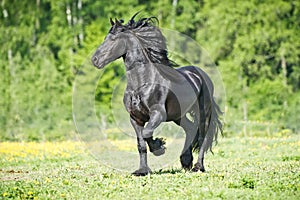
point(132, 18)
point(118, 23)
point(131, 21)
point(111, 22)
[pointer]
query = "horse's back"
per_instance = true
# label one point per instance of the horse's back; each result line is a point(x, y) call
point(192, 76)
point(196, 76)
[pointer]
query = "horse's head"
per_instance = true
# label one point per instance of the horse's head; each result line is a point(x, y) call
point(113, 47)
point(121, 39)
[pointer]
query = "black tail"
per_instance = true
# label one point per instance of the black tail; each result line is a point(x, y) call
point(209, 111)
point(214, 125)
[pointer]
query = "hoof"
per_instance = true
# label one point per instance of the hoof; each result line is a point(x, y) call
point(142, 171)
point(186, 161)
point(157, 146)
point(198, 167)
point(159, 152)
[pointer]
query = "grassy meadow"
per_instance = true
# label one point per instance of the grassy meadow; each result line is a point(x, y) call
point(241, 168)
point(48, 86)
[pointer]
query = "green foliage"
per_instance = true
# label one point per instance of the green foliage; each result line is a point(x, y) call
point(255, 45)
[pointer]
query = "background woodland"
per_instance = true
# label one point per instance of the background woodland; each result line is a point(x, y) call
point(255, 45)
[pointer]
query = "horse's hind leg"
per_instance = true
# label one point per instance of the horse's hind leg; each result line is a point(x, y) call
point(203, 143)
point(200, 162)
point(186, 157)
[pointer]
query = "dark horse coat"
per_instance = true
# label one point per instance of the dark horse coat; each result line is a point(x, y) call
point(157, 92)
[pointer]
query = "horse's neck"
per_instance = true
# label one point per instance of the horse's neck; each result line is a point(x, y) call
point(140, 70)
point(139, 74)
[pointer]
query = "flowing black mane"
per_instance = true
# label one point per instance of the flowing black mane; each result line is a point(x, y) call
point(149, 35)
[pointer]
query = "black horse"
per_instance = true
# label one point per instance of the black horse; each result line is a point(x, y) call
point(157, 92)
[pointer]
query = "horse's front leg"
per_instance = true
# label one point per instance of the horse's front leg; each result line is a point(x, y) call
point(141, 144)
point(157, 116)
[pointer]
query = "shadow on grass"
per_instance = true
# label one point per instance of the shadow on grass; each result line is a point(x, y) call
point(168, 171)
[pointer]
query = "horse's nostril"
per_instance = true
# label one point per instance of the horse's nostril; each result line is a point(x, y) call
point(95, 59)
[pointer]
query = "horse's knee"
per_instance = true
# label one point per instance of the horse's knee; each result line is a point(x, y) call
point(147, 133)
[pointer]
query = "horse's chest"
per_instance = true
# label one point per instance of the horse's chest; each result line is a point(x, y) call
point(136, 107)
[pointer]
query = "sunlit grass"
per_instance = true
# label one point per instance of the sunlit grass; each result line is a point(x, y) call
point(16, 151)
point(241, 168)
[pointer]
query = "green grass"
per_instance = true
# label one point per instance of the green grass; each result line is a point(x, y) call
point(241, 168)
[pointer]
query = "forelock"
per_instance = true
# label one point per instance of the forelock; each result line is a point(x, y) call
point(133, 25)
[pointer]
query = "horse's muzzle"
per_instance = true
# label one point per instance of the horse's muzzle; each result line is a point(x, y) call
point(96, 62)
